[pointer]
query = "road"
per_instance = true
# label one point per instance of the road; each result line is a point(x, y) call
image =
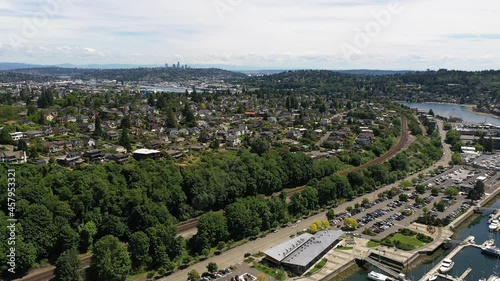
point(235, 255)
point(261, 244)
point(323, 139)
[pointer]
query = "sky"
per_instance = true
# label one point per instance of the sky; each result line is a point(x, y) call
point(265, 34)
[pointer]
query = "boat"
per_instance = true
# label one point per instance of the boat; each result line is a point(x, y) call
point(433, 277)
point(493, 226)
point(446, 266)
point(491, 250)
point(470, 239)
point(375, 276)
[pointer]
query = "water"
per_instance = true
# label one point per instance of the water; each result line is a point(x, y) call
point(482, 265)
point(164, 89)
point(447, 110)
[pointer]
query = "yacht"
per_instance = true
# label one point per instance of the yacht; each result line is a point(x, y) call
point(433, 277)
point(491, 250)
point(446, 266)
point(493, 226)
point(375, 276)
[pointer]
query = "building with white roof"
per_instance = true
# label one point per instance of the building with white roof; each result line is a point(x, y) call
point(302, 252)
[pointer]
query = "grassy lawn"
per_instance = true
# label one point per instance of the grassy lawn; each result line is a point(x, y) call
point(344, 248)
point(317, 267)
point(409, 240)
point(277, 274)
point(372, 244)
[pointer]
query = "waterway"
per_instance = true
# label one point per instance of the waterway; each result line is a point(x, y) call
point(455, 110)
point(482, 265)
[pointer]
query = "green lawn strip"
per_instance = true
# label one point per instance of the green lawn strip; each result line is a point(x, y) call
point(409, 240)
point(344, 248)
point(317, 267)
point(372, 244)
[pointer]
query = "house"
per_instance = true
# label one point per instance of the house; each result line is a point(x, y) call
point(325, 122)
point(34, 134)
point(49, 117)
point(94, 155)
point(87, 127)
point(90, 142)
point(17, 136)
point(117, 149)
point(143, 153)
point(71, 159)
point(294, 134)
point(54, 147)
point(47, 131)
point(233, 140)
point(118, 158)
point(13, 156)
point(61, 130)
point(112, 135)
point(70, 119)
point(82, 119)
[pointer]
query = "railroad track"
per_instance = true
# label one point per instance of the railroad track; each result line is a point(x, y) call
point(48, 273)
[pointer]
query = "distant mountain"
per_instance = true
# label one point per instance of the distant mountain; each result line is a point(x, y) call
point(374, 72)
point(15, 65)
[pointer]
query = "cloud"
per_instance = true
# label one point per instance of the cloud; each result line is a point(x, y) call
point(292, 33)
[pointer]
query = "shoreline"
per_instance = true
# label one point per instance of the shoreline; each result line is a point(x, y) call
point(471, 108)
point(422, 259)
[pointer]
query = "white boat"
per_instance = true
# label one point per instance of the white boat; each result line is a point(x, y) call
point(470, 239)
point(375, 276)
point(433, 277)
point(446, 266)
point(493, 226)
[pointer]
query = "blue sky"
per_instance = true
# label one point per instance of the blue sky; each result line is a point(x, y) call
point(325, 34)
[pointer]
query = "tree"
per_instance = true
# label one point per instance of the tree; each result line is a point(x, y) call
point(98, 127)
point(434, 191)
point(326, 224)
point(125, 140)
point(111, 260)
point(193, 275)
point(125, 123)
point(420, 188)
point(87, 232)
point(212, 228)
point(456, 158)
point(5, 137)
point(350, 223)
point(477, 192)
point(22, 146)
point(68, 267)
point(313, 228)
point(431, 112)
point(212, 267)
point(451, 191)
point(403, 197)
point(138, 247)
point(330, 215)
point(171, 121)
point(259, 146)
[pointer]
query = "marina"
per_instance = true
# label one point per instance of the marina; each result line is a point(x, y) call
point(470, 264)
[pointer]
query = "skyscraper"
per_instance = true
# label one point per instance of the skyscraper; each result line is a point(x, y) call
point(178, 65)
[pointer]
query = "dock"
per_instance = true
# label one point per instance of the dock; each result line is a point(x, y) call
point(435, 271)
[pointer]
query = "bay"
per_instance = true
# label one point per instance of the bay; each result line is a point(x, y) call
point(454, 110)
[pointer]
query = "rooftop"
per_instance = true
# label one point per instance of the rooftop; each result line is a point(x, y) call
point(305, 248)
point(146, 151)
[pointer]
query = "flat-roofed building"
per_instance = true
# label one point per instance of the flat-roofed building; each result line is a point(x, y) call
point(300, 253)
point(145, 153)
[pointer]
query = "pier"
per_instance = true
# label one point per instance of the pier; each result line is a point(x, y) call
point(435, 271)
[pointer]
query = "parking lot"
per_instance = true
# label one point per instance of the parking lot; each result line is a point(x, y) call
point(384, 216)
point(238, 272)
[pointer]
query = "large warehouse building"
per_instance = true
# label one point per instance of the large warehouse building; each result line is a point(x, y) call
point(302, 252)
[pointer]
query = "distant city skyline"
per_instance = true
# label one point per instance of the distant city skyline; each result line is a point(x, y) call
point(254, 34)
